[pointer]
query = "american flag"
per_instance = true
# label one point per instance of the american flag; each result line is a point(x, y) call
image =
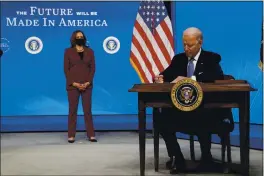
point(152, 45)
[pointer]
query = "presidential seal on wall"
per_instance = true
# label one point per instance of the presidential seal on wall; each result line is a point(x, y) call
point(186, 95)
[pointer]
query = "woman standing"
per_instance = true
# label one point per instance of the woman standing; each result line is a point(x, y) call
point(79, 69)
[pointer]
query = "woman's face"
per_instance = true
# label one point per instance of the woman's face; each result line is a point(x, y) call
point(79, 35)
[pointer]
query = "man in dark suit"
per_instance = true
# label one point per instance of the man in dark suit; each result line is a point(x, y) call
point(202, 66)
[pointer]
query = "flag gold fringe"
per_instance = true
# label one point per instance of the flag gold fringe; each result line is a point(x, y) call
point(260, 65)
point(135, 67)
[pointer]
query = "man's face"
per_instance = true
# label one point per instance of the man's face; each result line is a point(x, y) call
point(191, 45)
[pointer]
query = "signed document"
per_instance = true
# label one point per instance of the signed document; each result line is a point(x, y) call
point(182, 77)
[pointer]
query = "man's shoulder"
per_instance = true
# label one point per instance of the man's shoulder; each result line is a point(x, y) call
point(179, 56)
point(210, 53)
point(211, 56)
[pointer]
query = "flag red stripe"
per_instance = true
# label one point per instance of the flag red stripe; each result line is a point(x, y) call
point(167, 33)
point(143, 55)
point(139, 68)
point(162, 46)
point(149, 45)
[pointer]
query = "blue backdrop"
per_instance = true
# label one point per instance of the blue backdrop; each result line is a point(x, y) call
point(232, 29)
point(34, 84)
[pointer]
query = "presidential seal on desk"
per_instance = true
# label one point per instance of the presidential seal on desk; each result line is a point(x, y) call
point(186, 95)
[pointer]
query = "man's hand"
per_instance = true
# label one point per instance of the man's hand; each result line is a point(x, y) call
point(158, 79)
point(178, 79)
point(78, 86)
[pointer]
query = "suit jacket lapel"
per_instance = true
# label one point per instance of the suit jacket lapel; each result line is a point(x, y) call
point(85, 52)
point(76, 54)
point(185, 65)
point(199, 64)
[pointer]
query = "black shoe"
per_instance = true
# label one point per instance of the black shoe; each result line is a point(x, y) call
point(207, 158)
point(71, 141)
point(177, 165)
point(92, 140)
point(208, 166)
point(168, 163)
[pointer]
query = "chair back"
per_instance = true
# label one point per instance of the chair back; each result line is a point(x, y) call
point(229, 77)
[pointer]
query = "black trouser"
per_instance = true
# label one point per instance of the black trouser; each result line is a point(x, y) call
point(198, 122)
point(173, 146)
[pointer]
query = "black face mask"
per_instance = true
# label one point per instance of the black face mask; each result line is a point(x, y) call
point(80, 42)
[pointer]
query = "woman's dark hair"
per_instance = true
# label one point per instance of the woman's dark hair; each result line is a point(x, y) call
point(73, 38)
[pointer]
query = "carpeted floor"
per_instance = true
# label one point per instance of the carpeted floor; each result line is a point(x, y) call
point(116, 153)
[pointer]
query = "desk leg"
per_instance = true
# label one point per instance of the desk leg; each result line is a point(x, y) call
point(156, 139)
point(142, 135)
point(244, 118)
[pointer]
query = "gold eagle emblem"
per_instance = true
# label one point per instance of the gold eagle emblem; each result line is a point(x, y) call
point(187, 95)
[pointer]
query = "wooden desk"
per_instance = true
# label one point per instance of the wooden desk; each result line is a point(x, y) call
point(236, 93)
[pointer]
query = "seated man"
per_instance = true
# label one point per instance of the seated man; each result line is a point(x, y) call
point(202, 66)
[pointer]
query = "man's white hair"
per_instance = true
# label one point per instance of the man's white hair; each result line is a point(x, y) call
point(194, 32)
